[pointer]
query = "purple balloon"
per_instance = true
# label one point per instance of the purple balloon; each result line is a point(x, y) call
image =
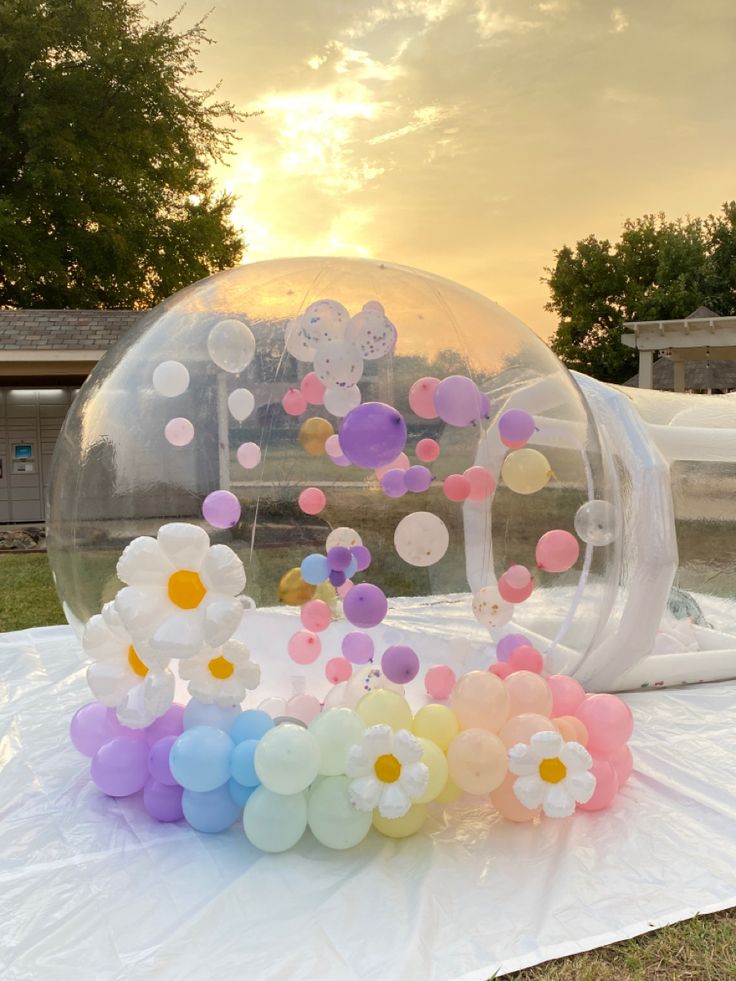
point(485, 406)
point(357, 647)
point(90, 728)
point(417, 479)
point(372, 435)
point(337, 578)
point(120, 767)
point(162, 801)
point(393, 483)
point(158, 761)
point(362, 556)
point(171, 723)
point(339, 558)
point(400, 664)
point(221, 509)
point(458, 401)
point(365, 605)
point(508, 644)
point(515, 426)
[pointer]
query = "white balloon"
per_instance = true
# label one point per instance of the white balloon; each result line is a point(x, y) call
point(170, 378)
point(241, 403)
point(421, 538)
point(296, 341)
point(595, 523)
point(490, 608)
point(343, 537)
point(231, 345)
point(338, 363)
point(372, 334)
point(340, 401)
point(325, 320)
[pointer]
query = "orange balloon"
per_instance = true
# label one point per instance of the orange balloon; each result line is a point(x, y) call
point(313, 435)
point(521, 728)
point(480, 701)
point(528, 692)
point(508, 806)
point(293, 590)
point(477, 760)
point(572, 729)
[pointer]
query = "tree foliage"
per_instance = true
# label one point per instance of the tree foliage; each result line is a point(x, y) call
point(658, 270)
point(105, 196)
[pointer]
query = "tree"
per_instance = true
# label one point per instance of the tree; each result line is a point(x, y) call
point(105, 197)
point(659, 270)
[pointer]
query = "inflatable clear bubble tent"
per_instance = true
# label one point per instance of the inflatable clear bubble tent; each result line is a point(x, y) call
point(244, 391)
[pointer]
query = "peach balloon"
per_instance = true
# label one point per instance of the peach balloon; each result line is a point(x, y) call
point(521, 728)
point(401, 462)
point(480, 700)
point(477, 760)
point(508, 806)
point(528, 692)
point(571, 724)
point(567, 694)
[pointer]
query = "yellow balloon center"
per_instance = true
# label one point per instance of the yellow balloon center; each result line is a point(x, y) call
point(552, 770)
point(186, 590)
point(387, 768)
point(135, 663)
point(221, 668)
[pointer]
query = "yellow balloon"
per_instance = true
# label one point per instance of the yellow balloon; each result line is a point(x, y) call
point(293, 590)
point(438, 723)
point(404, 826)
point(327, 592)
point(450, 793)
point(436, 762)
point(383, 707)
point(526, 471)
point(313, 435)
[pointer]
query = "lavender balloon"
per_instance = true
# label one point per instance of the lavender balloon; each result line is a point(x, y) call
point(221, 509)
point(339, 558)
point(362, 557)
point(357, 647)
point(400, 664)
point(515, 426)
point(158, 761)
point(458, 401)
point(163, 801)
point(508, 644)
point(365, 605)
point(91, 728)
point(417, 479)
point(171, 723)
point(120, 767)
point(372, 435)
point(393, 483)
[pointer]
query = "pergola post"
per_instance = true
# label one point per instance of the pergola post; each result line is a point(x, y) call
point(646, 369)
point(679, 367)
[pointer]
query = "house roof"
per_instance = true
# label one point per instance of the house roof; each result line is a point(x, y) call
point(699, 376)
point(64, 330)
point(702, 313)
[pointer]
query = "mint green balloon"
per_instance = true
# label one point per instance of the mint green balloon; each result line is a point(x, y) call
point(336, 730)
point(287, 758)
point(332, 818)
point(274, 822)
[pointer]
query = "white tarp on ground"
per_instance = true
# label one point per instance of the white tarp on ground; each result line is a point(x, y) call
point(91, 888)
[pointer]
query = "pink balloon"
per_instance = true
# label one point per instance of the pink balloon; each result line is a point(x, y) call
point(526, 658)
point(482, 483)
point(557, 551)
point(456, 487)
point(338, 669)
point(439, 681)
point(345, 588)
point(512, 595)
point(521, 728)
point(312, 500)
point(294, 402)
point(316, 615)
point(623, 763)
point(421, 398)
point(332, 446)
point(427, 450)
point(609, 722)
point(312, 389)
point(517, 576)
point(400, 463)
point(606, 786)
point(567, 694)
point(304, 707)
point(304, 647)
point(249, 455)
point(179, 431)
point(528, 692)
point(508, 805)
point(501, 669)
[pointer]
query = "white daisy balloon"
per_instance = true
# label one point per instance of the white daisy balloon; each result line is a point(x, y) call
point(120, 678)
point(221, 676)
point(386, 770)
point(553, 774)
point(180, 593)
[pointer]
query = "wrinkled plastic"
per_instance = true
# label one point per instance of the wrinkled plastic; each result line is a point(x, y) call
point(93, 889)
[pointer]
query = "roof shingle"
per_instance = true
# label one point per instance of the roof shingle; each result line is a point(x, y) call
point(64, 330)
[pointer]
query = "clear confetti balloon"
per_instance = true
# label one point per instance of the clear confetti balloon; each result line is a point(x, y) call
point(231, 345)
point(338, 363)
point(421, 538)
point(325, 320)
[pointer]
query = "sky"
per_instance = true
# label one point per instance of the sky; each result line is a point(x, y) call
point(469, 138)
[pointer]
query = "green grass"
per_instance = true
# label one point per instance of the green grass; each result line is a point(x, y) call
point(701, 949)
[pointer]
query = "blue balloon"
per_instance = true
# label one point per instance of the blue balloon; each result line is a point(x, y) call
point(200, 758)
point(239, 793)
point(198, 714)
point(251, 724)
point(315, 569)
point(211, 812)
point(242, 767)
point(351, 569)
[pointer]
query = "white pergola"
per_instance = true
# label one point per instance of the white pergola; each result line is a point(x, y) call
point(703, 336)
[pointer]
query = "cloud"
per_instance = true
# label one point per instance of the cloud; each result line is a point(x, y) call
point(619, 20)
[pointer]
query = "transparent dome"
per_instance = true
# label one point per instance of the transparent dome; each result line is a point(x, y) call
point(209, 394)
